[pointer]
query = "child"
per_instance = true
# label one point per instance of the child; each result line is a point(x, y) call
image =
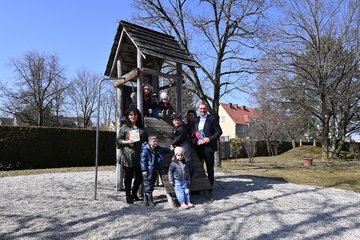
point(181, 139)
point(154, 106)
point(164, 106)
point(151, 161)
point(179, 177)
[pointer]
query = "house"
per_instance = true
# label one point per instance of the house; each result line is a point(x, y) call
point(7, 121)
point(235, 119)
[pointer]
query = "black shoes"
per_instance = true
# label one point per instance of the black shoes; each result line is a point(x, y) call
point(129, 200)
point(136, 198)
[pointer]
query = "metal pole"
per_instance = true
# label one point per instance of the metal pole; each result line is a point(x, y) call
point(97, 132)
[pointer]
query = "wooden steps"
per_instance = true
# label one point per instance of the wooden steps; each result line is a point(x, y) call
point(163, 130)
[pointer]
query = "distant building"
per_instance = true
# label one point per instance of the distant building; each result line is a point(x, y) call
point(7, 121)
point(235, 119)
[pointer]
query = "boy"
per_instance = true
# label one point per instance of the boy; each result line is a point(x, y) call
point(179, 177)
point(151, 161)
point(181, 139)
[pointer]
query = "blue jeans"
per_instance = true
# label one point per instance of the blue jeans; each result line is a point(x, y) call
point(182, 191)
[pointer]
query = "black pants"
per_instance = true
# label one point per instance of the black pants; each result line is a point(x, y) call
point(207, 154)
point(188, 157)
point(129, 174)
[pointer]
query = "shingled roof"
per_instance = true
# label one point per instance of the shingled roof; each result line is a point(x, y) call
point(154, 47)
point(239, 114)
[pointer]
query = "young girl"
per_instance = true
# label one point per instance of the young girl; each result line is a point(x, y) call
point(180, 178)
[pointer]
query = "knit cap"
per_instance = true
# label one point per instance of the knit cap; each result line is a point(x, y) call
point(179, 150)
point(163, 95)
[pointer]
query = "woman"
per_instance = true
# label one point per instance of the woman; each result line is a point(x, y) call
point(131, 135)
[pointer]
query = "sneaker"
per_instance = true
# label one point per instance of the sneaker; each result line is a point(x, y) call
point(184, 206)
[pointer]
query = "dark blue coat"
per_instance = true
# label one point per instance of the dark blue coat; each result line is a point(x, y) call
point(152, 159)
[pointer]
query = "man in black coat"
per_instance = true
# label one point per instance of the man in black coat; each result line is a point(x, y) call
point(208, 131)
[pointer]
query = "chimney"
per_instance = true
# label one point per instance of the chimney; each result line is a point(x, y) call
point(230, 104)
point(244, 108)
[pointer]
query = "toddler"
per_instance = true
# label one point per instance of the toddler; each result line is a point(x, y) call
point(179, 177)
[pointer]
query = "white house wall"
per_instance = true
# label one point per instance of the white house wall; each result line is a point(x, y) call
point(226, 123)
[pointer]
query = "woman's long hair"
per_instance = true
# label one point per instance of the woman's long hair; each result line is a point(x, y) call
point(139, 121)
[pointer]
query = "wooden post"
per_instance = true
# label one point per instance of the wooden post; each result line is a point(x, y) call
point(178, 87)
point(155, 78)
point(119, 169)
point(139, 85)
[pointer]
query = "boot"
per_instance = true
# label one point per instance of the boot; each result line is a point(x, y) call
point(135, 197)
point(151, 201)
point(129, 200)
point(146, 200)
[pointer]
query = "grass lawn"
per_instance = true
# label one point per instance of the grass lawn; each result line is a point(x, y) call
point(288, 166)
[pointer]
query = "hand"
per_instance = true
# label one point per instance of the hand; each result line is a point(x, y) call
point(145, 174)
point(171, 147)
point(206, 140)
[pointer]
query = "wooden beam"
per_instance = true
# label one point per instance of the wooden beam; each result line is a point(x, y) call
point(154, 72)
point(127, 77)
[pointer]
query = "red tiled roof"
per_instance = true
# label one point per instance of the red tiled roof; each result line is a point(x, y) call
point(239, 114)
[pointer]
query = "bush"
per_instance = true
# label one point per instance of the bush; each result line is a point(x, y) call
point(36, 147)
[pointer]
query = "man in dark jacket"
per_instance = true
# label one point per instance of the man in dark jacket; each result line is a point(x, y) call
point(209, 131)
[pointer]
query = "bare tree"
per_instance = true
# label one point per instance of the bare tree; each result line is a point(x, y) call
point(83, 95)
point(313, 52)
point(39, 81)
point(269, 126)
point(250, 146)
point(220, 35)
point(108, 107)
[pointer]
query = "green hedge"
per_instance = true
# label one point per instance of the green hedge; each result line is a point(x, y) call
point(35, 147)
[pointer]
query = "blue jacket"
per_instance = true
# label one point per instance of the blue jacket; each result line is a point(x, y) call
point(152, 159)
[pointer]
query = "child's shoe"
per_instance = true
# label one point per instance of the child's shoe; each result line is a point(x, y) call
point(184, 206)
point(190, 205)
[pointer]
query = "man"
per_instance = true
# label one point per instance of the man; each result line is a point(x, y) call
point(210, 130)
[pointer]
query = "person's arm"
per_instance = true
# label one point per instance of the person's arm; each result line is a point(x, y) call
point(217, 131)
point(144, 160)
point(181, 137)
point(122, 139)
point(171, 174)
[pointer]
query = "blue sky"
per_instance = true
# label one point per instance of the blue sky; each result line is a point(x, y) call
point(80, 32)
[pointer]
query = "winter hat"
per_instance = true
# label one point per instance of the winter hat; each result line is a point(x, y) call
point(163, 95)
point(179, 150)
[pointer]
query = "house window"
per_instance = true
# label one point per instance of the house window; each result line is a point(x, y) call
point(222, 118)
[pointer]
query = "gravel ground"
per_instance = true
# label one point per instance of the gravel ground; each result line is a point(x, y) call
point(62, 206)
